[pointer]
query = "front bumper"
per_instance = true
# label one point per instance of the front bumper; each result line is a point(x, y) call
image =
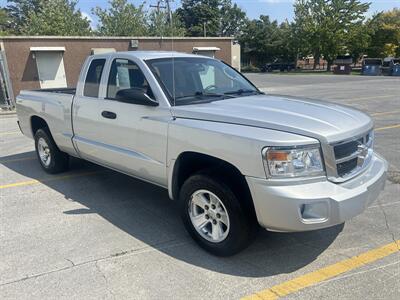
point(308, 206)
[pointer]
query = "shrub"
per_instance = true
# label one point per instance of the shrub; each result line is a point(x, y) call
point(250, 69)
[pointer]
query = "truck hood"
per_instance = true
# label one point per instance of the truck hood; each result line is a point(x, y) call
point(327, 122)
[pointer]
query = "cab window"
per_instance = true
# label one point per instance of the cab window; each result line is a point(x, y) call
point(125, 74)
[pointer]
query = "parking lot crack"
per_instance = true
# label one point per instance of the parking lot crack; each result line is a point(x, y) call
point(70, 261)
point(162, 245)
point(391, 233)
point(105, 279)
point(35, 276)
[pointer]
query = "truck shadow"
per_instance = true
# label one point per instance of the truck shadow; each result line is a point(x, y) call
point(145, 212)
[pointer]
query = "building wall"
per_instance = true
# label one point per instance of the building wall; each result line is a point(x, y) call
point(22, 65)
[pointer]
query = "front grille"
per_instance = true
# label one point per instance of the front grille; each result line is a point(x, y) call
point(347, 149)
point(353, 155)
point(346, 167)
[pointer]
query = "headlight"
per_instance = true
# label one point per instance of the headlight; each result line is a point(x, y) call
point(293, 161)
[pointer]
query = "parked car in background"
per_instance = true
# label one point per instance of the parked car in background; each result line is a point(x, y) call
point(371, 66)
point(395, 67)
point(342, 65)
point(231, 156)
point(278, 66)
point(386, 68)
point(391, 66)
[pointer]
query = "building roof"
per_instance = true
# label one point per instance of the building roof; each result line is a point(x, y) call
point(49, 37)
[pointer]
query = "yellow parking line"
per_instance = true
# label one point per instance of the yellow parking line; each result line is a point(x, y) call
point(320, 275)
point(21, 183)
point(387, 127)
point(36, 181)
point(371, 97)
point(385, 113)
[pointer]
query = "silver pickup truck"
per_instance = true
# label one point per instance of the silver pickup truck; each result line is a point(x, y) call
point(232, 157)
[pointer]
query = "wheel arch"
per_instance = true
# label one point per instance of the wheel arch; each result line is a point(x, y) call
point(37, 123)
point(189, 163)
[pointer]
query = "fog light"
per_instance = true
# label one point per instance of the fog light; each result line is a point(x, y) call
point(317, 212)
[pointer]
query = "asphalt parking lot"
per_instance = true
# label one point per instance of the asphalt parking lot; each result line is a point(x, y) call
point(92, 233)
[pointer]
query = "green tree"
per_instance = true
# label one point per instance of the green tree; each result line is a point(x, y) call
point(18, 11)
point(287, 47)
point(264, 41)
point(211, 17)
point(385, 35)
point(324, 25)
point(121, 19)
point(56, 17)
point(306, 30)
point(359, 40)
point(232, 19)
point(4, 22)
point(159, 24)
point(201, 17)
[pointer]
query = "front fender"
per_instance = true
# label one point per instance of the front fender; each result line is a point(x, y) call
point(239, 145)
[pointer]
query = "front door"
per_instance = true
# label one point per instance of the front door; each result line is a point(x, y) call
point(50, 65)
point(128, 137)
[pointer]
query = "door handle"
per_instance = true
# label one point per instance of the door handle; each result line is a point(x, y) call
point(109, 114)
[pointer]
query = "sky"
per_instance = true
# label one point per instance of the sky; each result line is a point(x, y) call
point(276, 9)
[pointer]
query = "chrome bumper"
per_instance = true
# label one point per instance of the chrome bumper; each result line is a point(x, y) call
point(309, 206)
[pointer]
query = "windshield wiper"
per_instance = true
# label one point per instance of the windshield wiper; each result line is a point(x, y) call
point(202, 95)
point(242, 91)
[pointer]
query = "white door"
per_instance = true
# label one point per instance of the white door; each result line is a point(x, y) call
point(50, 65)
point(209, 53)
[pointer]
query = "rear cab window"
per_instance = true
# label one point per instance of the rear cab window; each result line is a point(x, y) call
point(93, 78)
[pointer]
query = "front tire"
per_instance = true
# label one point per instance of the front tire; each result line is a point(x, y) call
point(50, 157)
point(213, 215)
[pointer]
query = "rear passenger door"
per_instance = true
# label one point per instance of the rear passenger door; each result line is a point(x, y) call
point(86, 110)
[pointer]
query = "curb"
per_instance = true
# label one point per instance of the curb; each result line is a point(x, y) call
point(8, 112)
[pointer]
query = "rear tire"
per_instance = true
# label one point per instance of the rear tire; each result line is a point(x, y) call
point(213, 215)
point(50, 157)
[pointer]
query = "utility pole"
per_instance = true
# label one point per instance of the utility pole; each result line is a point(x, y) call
point(166, 6)
point(158, 6)
point(169, 10)
point(157, 20)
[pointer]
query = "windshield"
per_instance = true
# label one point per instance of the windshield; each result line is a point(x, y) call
point(199, 80)
point(372, 61)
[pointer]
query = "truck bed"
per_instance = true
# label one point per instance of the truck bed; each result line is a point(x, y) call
point(54, 107)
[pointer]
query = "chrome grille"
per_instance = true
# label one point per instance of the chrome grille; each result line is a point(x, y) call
point(350, 157)
point(346, 167)
point(346, 149)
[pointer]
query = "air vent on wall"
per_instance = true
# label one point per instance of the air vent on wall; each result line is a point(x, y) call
point(135, 44)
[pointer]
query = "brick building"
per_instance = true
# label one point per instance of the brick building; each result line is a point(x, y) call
point(33, 62)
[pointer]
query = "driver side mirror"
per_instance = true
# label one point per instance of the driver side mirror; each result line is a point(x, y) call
point(135, 96)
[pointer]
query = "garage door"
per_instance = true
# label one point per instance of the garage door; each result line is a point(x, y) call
point(50, 65)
